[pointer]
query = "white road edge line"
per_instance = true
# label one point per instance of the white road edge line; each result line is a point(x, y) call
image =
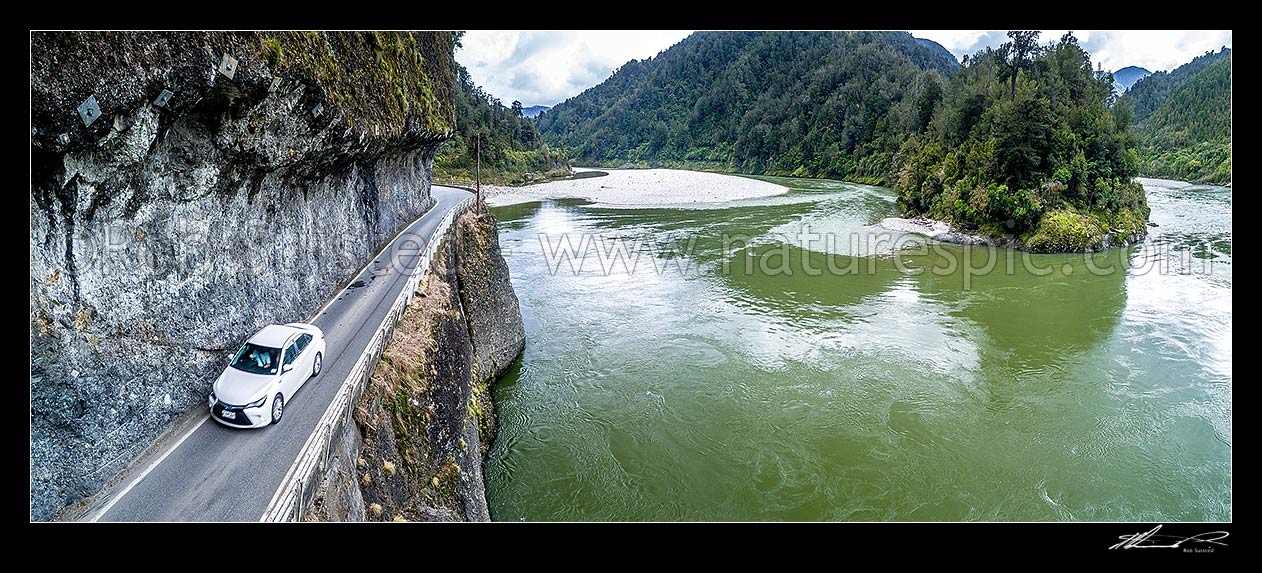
point(100, 513)
point(370, 259)
point(293, 466)
point(118, 497)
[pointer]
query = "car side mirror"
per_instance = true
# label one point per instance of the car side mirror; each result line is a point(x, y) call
point(286, 368)
point(229, 357)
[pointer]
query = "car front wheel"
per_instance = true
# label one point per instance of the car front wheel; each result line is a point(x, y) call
point(315, 368)
point(278, 408)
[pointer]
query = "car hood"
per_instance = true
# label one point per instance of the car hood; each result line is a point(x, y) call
point(239, 388)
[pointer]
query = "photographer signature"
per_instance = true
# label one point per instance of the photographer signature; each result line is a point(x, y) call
point(1148, 540)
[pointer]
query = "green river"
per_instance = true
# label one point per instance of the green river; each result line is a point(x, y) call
point(781, 377)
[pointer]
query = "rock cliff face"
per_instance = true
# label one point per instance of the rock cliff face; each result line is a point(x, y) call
point(425, 421)
point(164, 233)
point(488, 299)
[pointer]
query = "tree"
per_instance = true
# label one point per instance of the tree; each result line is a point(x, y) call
point(517, 108)
point(1023, 43)
point(926, 101)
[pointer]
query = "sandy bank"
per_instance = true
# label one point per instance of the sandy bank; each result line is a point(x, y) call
point(640, 187)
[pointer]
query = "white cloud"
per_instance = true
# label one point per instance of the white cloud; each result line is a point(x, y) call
point(1155, 50)
point(545, 68)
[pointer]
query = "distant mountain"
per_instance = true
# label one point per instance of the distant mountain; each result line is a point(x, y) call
point(534, 110)
point(1187, 136)
point(1126, 77)
point(822, 104)
point(941, 51)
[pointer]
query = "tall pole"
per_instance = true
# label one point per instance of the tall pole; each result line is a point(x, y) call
point(479, 183)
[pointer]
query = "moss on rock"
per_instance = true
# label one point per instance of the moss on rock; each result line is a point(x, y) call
point(1069, 230)
point(1066, 230)
point(380, 80)
point(1128, 226)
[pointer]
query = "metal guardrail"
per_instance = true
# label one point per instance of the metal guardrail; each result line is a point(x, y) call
point(297, 490)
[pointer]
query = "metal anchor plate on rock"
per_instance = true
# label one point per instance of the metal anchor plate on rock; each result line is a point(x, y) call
point(163, 98)
point(228, 65)
point(89, 110)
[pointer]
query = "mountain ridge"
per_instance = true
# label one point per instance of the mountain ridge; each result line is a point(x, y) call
point(727, 101)
point(1147, 94)
point(1187, 133)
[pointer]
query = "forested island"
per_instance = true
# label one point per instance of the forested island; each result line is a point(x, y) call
point(1022, 144)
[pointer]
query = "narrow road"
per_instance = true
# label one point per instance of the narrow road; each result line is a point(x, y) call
point(218, 473)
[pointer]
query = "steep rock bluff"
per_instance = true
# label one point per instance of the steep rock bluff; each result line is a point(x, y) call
point(425, 422)
point(165, 232)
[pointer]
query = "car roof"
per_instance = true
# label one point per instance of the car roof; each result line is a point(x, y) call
point(273, 335)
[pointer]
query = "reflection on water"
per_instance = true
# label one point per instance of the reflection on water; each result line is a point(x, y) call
point(752, 388)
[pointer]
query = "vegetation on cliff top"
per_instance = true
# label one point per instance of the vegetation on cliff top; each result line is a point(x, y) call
point(377, 78)
point(513, 152)
point(1023, 142)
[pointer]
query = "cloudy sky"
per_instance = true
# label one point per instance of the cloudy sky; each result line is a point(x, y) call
point(1154, 50)
point(546, 67)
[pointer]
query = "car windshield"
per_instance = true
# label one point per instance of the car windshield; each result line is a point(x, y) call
point(257, 359)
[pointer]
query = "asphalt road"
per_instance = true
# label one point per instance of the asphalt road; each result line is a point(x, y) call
point(218, 473)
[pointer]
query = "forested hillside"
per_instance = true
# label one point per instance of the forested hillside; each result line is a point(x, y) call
point(1150, 92)
point(815, 104)
point(513, 152)
point(1184, 120)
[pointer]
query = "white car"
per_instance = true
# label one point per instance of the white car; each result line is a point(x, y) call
point(270, 367)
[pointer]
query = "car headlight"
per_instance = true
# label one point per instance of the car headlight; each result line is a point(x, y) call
point(257, 403)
